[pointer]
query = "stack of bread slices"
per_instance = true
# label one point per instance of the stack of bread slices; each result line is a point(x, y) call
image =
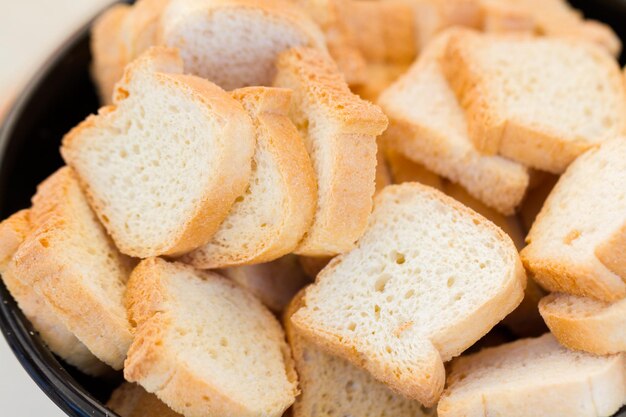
point(339, 208)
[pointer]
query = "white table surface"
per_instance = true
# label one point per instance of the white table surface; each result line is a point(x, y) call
point(29, 31)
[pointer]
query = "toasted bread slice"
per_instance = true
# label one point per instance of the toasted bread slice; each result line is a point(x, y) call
point(534, 377)
point(56, 336)
point(274, 283)
point(333, 387)
point(71, 263)
point(130, 400)
point(544, 104)
point(339, 130)
point(159, 167)
point(586, 324)
point(205, 346)
point(234, 43)
point(108, 51)
point(577, 243)
point(428, 279)
point(270, 218)
point(428, 125)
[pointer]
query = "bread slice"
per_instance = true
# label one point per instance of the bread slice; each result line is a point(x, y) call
point(274, 283)
point(577, 244)
point(130, 400)
point(271, 217)
point(435, 16)
point(107, 49)
point(384, 31)
point(534, 377)
point(378, 76)
point(205, 346)
point(555, 18)
point(543, 105)
point(159, 167)
point(428, 125)
point(339, 130)
point(56, 336)
point(142, 26)
point(333, 387)
point(71, 263)
point(586, 324)
point(428, 279)
point(234, 43)
point(405, 170)
point(383, 175)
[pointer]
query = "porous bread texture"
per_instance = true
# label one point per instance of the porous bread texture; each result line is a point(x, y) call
point(234, 43)
point(333, 387)
point(163, 166)
point(539, 101)
point(534, 377)
point(70, 262)
point(274, 283)
point(578, 241)
point(555, 18)
point(428, 278)
point(586, 324)
point(108, 51)
point(428, 125)
point(271, 217)
point(339, 130)
point(205, 346)
point(56, 336)
point(130, 400)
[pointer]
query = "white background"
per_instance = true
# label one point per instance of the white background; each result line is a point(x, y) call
point(29, 31)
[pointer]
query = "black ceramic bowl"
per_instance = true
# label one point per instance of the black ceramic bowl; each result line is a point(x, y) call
point(60, 96)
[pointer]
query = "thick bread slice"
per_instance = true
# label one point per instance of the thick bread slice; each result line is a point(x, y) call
point(540, 101)
point(534, 377)
point(426, 281)
point(574, 245)
point(108, 51)
point(58, 338)
point(130, 400)
point(69, 260)
point(163, 166)
point(270, 218)
point(428, 125)
point(274, 283)
point(586, 324)
point(339, 131)
point(204, 345)
point(234, 43)
point(333, 387)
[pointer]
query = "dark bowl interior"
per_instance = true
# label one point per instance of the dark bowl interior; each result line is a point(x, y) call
point(61, 95)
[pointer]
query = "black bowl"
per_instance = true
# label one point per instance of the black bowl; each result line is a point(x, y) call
point(58, 97)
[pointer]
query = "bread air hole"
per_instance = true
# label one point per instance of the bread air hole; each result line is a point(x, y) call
point(381, 283)
point(571, 236)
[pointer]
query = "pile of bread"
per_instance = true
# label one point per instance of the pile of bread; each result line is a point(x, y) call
point(244, 234)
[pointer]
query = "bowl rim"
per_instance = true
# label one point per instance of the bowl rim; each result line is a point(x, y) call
point(34, 356)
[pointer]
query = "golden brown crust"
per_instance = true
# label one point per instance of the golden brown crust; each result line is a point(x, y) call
point(600, 331)
point(612, 252)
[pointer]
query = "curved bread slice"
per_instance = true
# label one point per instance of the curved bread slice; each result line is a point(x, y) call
point(339, 130)
point(270, 218)
point(586, 324)
point(56, 336)
point(234, 43)
point(274, 283)
point(428, 279)
point(539, 101)
point(159, 167)
point(578, 241)
point(534, 377)
point(205, 346)
point(427, 124)
point(333, 387)
point(69, 261)
point(108, 51)
point(130, 400)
